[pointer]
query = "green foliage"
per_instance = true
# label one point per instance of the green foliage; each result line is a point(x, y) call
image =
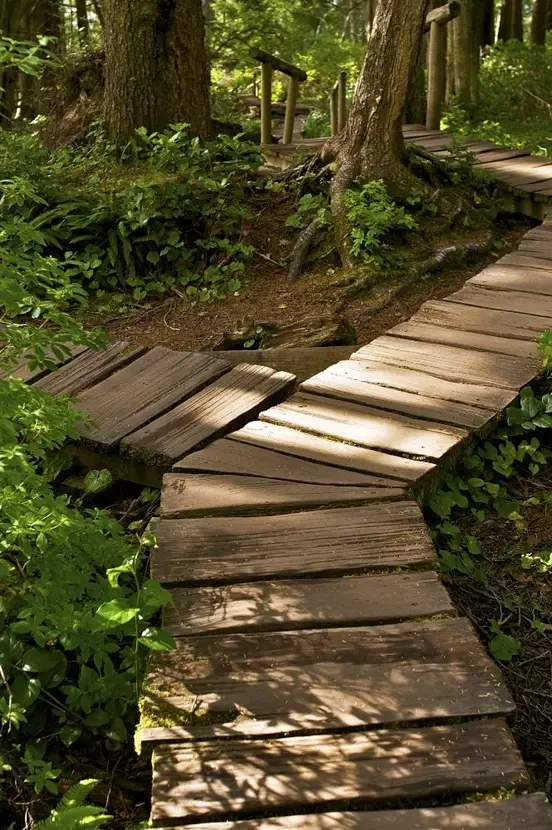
point(172, 214)
point(317, 124)
point(515, 109)
point(310, 207)
point(29, 57)
point(72, 813)
point(373, 217)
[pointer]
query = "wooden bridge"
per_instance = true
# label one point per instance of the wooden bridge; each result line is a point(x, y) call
point(323, 679)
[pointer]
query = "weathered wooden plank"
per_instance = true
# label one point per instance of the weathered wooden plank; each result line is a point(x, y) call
point(224, 456)
point(143, 390)
point(498, 154)
point(305, 603)
point(452, 315)
point(225, 495)
point(21, 369)
point(339, 541)
point(302, 362)
point(524, 812)
point(336, 383)
point(373, 371)
point(522, 166)
point(516, 301)
point(344, 676)
point(542, 232)
point(225, 404)
point(415, 329)
point(365, 426)
point(376, 767)
point(538, 246)
point(452, 363)
point(516, 278)
point(525, 259)
point(89, 368)
point(322, 450)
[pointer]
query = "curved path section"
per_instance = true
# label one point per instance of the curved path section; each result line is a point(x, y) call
point(322, 678)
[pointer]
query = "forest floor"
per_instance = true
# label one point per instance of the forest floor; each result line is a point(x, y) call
point(520, 599)
point(266, 298)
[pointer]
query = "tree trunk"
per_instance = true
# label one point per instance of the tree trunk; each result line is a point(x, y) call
point(416, 97)
point(539, 22)
point(371, 6)
point(156, 70)
point(372, 146)
point(488, 27)
point(466, 34)
point(506, 20)
point(82, 21)
point(517, 21)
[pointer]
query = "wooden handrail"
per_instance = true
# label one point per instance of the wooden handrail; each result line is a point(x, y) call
point(269, 63)
point(443, 14)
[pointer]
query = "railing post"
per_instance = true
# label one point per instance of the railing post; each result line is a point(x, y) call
point(341, 100)
point(266, 103)
point(291, 103)
point(436, 75)
point(334, 120)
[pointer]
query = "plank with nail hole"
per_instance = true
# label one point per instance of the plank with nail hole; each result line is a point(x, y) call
point(212, 779)
point(327, 542)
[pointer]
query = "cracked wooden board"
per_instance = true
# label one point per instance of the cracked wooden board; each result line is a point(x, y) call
point(452, 363)
point(143, 390)
point(524, 812)
point(226, 495)
point(89, 368)
point(457, 316)
point(301, 771)
point(305, 603)
point(224, 405)
point(327, 542)
point(228, 457)
point(365, 426)
point(322, 450)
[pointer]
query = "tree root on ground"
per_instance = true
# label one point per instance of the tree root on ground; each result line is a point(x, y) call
point(301, 249)
point(442, 257)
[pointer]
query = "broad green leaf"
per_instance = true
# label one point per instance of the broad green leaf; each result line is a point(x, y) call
point(116, 612)
point(97, 480)
point(157, 639)
point(70, 734)
point(503, 647)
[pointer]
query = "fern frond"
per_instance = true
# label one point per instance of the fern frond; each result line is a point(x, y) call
point(72, 813)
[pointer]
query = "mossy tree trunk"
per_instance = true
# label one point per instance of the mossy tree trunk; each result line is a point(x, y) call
point(156, 67)
point(372, 146)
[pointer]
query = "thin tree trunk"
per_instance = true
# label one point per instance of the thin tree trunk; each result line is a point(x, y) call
point(506, 20)
point(517, 21)
point(488, 27)
point(539, 22)
point(82, 21)
point(156, 67)
point(466, 31)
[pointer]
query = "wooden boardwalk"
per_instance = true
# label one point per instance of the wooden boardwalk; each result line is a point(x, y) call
point(322, 678)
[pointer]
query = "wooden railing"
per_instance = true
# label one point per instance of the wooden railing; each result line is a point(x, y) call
point(269, 63)
point(338, 103)
point(436, 23)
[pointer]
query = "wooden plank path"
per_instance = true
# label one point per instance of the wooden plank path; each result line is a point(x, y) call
point(322, 678)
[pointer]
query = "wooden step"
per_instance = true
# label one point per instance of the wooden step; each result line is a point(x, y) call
point(225, 495)
point(143, 390)
point(325, 542)
point(220, 778)
point(230, 457)
point(357, 676)
point(322, 450)
point(366, 426)
point(89, 368)
point(524, 812)
point(222, 406)
point(305, 603)
point(451, 363)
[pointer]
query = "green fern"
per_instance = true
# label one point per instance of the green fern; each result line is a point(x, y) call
point(72, 812)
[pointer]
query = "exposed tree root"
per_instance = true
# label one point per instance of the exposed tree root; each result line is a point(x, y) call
point(442, 257)
point(301, 249)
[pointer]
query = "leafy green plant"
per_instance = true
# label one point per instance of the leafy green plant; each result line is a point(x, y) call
point(373, 216)
point(72, 813)
point(317, 124)
point(310, 206)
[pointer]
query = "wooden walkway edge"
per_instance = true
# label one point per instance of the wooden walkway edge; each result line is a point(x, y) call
point(322, 678)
